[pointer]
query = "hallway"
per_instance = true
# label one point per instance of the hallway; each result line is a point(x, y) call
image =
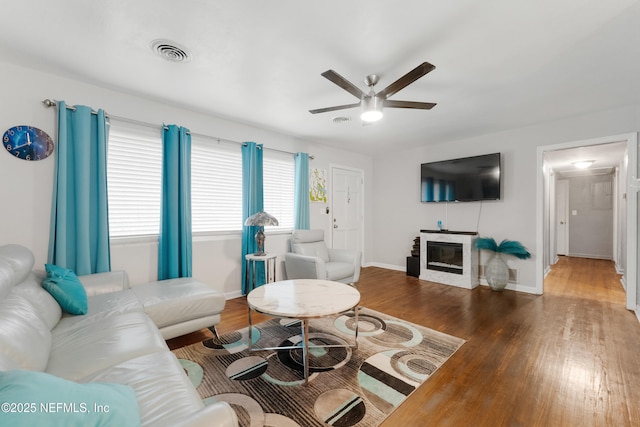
point(594, 279)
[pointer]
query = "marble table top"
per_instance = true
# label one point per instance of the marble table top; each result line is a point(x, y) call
point(303, 298)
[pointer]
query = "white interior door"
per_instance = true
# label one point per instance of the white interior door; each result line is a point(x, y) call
point(347, 195)
point(562, 217)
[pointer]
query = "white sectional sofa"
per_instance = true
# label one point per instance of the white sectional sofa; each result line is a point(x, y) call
point(120, 340)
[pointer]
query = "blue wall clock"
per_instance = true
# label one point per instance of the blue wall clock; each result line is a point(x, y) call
point(27, 143)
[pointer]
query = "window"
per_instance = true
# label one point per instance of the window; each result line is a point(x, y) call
point(216, 186)
point(278, 181)
point(134, 173)
point(134, 180)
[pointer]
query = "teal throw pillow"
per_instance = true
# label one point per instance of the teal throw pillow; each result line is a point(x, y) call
point(39, 399)
point(65, 287)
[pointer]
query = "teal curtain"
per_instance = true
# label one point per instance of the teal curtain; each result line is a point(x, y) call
point(175, 242)
point(79, 233)
point(252, 202)
point(301, 192)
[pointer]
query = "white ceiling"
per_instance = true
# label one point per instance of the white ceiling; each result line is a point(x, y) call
point(500, 64)
point(604, 157)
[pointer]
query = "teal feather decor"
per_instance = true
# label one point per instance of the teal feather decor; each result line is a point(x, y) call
point(508, 247)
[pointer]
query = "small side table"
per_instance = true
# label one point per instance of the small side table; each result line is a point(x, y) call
point(269, 268)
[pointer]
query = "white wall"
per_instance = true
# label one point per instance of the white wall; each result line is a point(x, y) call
point(392, 220)
point(399, 215)
point(25, 188)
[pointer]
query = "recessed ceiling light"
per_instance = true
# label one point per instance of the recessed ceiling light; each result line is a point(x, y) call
point(171, 51)
point(583, 164)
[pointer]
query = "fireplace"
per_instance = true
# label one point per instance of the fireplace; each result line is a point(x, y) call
point(444, 256)
point(449, 257)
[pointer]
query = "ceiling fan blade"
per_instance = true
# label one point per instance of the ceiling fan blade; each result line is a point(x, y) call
point(337, 107)
point(343, 83)
point(407, 79)
point(409, 104)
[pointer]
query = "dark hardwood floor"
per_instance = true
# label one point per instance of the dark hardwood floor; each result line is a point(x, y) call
point(570, 357)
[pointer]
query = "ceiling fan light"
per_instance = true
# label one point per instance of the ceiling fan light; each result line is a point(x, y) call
point(371, 109)
point(371, 116)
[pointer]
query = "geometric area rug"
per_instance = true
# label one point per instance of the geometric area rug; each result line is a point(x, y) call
point(347, 386)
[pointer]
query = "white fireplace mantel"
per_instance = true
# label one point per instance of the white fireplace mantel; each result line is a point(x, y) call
point(469, 277)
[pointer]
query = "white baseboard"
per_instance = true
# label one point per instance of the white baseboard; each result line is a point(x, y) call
point(638, 313)
point(233, 295)
point(483, 282)
point(512, 287)
point(387, 266)
point(590, 256)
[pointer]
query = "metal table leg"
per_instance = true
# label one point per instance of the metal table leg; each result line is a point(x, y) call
point(356, 309)
point(304, 330)
point(250, 331)
point(305, 350)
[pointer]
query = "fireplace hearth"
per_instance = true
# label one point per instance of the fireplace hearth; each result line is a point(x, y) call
point(449, 257)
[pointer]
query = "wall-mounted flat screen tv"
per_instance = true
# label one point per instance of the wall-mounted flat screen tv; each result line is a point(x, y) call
point(466, 179)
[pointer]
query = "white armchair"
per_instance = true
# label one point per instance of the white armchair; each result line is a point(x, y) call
point(311, 259)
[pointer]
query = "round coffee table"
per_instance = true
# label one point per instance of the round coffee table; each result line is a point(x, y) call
point(303, 299)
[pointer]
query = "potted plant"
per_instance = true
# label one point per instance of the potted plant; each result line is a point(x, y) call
point(496, 270)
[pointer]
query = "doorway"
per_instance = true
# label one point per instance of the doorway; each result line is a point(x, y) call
point(626, 228)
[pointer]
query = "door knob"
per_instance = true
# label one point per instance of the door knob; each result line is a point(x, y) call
point(335, 225)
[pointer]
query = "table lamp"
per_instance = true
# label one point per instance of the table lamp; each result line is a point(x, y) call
point(260, 219)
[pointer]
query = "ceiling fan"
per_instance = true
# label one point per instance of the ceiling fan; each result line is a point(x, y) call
point(373, 102)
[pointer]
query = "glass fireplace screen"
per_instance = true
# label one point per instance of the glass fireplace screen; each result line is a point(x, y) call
point(444, 256)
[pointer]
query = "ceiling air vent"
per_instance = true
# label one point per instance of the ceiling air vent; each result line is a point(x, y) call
point(341, 120)
point(171, 51)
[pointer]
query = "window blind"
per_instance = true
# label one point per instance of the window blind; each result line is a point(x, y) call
point(134, 179)
point(278, 181)
point(134, 172)
point(216, 186)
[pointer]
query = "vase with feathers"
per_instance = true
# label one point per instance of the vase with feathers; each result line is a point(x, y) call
point(496, 270)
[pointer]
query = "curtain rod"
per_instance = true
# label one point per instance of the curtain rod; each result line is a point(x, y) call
point(52, 103)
